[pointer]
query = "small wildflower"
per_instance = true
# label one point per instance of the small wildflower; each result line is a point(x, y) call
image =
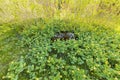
point(72, 71)
point(37, 79)
point(12, 62)
point(9, 76)
point(28, 71)
point(3, 77)
point(116, 78)
point(84, 76)
point(78, 69)
point(60, 76)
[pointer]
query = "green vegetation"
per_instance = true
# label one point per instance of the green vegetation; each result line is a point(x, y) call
point(27, 52)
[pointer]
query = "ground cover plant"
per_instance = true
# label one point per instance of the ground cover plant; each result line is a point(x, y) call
point(59, 39)
point(93, 56)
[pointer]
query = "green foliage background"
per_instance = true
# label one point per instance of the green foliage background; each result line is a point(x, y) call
point(26, 27)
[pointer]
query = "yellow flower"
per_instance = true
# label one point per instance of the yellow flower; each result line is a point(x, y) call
point(3, 77)
point(60, 76)
point(72, 71)
point(37, 79)
point(28, 71)
point(78, 69)
point(84, 76)
point(116, 78)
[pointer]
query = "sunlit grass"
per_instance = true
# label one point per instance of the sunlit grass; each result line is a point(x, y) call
point(20, 10)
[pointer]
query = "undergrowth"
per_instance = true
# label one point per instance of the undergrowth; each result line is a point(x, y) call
point(26, 49)
point(94, 56)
